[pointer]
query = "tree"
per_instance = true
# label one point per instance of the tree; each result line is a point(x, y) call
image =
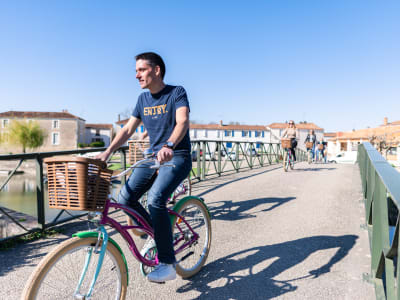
point(27, 134)
point(383, 142)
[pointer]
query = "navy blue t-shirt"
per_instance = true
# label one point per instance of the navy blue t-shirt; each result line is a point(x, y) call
point(158, 114)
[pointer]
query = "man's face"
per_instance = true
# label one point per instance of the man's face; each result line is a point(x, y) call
point(145, 73)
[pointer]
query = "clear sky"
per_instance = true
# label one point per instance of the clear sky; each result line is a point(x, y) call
point(334, 63)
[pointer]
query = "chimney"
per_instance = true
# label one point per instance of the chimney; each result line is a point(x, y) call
point(385, 121)
point(119, 117)
point(64, 110)
point(220, 123)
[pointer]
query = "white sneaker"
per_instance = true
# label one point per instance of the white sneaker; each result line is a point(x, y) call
point(162, 272)
point(150, 243)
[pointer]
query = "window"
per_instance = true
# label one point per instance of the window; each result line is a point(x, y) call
point(55, 138)
point(229, 133)
point(257, 133)
point(97, 132)
point(56, 124)
point(245, 133)
point(5, 123)
point(205, 133)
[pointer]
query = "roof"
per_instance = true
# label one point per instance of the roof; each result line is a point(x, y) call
point(368, 133)
point(330, 134)
point(308, 126)
point(227, 127)
point(39, 115)
point(99, 126)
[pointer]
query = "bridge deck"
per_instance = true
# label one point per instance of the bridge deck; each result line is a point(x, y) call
point(278, 235)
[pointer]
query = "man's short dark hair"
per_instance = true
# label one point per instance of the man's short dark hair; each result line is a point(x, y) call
point(154, 60)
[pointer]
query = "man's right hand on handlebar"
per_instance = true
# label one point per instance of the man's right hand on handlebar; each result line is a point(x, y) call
point(103, 156)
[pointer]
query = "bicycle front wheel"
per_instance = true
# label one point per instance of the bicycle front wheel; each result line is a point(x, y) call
point(192, 257)
point(58, 274)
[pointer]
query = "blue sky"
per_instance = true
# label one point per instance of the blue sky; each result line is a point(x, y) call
point(334, 63)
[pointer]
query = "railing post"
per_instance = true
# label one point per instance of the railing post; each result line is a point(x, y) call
point(198, 173)
point(203, 161)
point(40, 193)
point(123, 164)
point(219, 147)
point(237, 156)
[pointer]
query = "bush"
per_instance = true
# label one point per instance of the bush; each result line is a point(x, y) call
point(82, 145)
point(97, 144)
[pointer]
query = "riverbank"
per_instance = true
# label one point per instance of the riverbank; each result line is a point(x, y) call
point(9, 228)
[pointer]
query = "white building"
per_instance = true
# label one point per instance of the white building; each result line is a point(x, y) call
point(99, 133)
point(303, 129)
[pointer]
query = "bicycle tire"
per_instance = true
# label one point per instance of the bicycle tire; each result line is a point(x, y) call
point(192, 258)
point(291, 163)
point(53, 278)
point(285, 158)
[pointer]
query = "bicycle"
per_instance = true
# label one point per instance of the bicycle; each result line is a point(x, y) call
point(91, 265)
point(320, 153)
point(288, 160)
point(309, 147)
point(184, 188)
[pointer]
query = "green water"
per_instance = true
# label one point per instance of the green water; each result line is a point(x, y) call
point(20, 195)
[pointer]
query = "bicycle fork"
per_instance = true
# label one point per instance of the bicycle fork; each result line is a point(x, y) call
point(103, 236)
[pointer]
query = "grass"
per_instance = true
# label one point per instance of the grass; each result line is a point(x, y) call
point(11, 243)
point(117, 166)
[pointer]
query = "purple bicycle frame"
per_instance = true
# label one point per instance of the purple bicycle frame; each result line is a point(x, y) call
point(123, 230)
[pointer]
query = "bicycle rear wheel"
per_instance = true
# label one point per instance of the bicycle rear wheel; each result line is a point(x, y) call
point(193, 256)
point(285, 159)
point(58, 274)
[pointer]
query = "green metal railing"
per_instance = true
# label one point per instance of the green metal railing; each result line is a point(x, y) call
point(217, 158)
point(219, 161)
point(381, 189)
point(40, 199)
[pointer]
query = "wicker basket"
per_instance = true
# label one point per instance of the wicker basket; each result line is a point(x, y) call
point(136, 149)
point(286, 143)
point(77, 183)
point(309, 145)
point(320, 147)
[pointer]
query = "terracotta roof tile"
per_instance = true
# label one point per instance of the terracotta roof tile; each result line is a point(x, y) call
point(227, 127)
point(39, 115)
point(298, 126)
point(99, 126)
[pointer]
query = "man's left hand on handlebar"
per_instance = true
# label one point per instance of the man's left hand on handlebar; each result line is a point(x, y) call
point(165, 154)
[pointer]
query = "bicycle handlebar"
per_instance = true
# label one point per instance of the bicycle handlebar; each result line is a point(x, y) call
point(156, 165)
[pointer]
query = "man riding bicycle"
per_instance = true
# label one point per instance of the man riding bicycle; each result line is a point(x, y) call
point(164, 111)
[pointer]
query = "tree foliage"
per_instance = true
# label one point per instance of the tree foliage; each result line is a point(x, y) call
point(384, 142)
point(27, 134)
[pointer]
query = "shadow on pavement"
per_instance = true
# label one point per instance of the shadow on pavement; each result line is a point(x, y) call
point(249, 274)
point(24, 254)
point(217, 186)
point(316, 169)
point(236, 210)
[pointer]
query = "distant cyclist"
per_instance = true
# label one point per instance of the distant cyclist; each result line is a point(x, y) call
point(311, 138)
point(291, 133)
point(321, 150)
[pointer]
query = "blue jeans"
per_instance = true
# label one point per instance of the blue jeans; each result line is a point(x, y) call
point(160, 188)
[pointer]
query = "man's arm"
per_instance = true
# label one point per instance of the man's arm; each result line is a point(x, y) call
point(181, 127)
point(121, 138)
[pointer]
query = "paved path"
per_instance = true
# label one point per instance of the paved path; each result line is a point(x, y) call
point(276, 235)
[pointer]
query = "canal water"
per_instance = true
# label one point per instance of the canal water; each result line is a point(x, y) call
point(20, 195)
